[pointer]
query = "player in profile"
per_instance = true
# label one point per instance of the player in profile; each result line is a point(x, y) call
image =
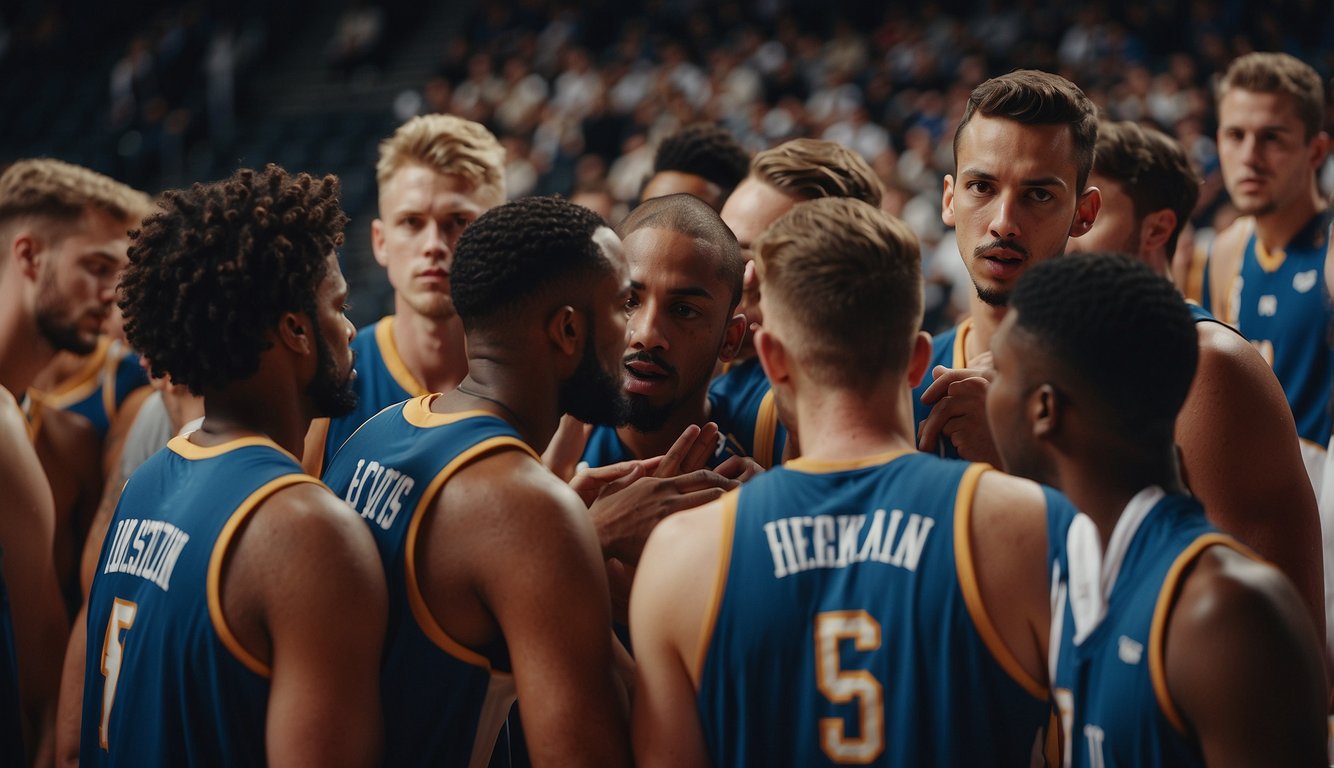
point(1172, 644)
point(496, 577)
point(703, 159)
point(1242, 463)
point(780, 177)
point(1019, 191)
point(64, 231)
point(436, 174)
point(833, 610)
point(219, 623)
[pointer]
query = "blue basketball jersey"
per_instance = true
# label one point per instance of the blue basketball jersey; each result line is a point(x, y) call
point(97, 391)
point(946, 349)
point(166, 683)
point(742, 405)
point(382, 380)
point(849, 629)
point(1279, 301)
point(605, 447)
point(1109, 682)
point(443, 703)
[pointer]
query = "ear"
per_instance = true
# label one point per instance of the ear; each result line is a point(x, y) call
point(1089, 204)
point(26, 252)
point(377, 242)
point(919, 362)
point(733, 335)
point(947, 201)
point(773, 357)
point(1319, 148)
point(1046, 412)
point(1156, 229)
point(296, 332)
point(565, 329)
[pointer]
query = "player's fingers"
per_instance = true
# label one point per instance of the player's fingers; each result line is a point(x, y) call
point(942, 377)
point(670, 463)
point(931, 426)
point(702, 450)
point(702, 479)
point(739, 468)
point(624, 481)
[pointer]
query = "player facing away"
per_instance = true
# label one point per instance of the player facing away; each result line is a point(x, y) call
point(1239, 449)
point(1172, 645)
point(865, 603)
point(703, 160)
point(238, 606)
point(496, 577)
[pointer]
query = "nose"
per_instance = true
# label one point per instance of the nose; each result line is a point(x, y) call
point(351, 329)
point(1250, 149)
point(1004, 223)
point(643, 328)
point(437, 242)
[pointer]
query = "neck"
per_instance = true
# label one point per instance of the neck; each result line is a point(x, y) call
point(1102, 483)
point(1156, 260)
point(836, 424)
point(24, 352)
point(1276, 228)
point(986, 319)
point(431, 348)
point(645, 445)
point(511, 391)
point(244, 410)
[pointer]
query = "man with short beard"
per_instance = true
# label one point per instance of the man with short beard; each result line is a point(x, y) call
point(495, 571)
point(64, 231)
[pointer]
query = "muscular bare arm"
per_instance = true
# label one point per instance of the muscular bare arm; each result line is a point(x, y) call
point(305, 593)
point(668, 610)
point(1244, 665)
point(1224, 264)
point(27, 531)
point(1241, 458)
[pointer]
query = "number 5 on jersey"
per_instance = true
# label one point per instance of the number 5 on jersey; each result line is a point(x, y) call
point(842, 686)
point(113, 649)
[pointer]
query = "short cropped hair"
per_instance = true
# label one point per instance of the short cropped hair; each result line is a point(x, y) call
point(1152, 169)
point(808, 169)
point(514, 253)
point(1034, 97)
point(60, 191)
point(213, 270)
point(849, 277)
point(446, 144)
point(706, 150)
point(1105, 319)
point(1279, 73)
point(694, 218)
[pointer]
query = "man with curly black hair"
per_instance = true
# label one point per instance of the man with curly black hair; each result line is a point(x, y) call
point(496, 573)
point(217, 621)
point(703, 160)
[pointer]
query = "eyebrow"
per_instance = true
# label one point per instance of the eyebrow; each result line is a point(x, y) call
point(1039, 181)
point(689, 290)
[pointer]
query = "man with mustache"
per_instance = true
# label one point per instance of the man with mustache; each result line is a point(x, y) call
point(64, 231)
point(1022, 154)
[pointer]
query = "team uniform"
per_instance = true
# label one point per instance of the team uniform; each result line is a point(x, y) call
point(97, 390)
point(165, 681)
point(444, 704)
point(848, 627)
point(11, 712)
point(382, 380)
point(947, 349)
point(1108, 676)
point(742, 405)
point(1279, 301)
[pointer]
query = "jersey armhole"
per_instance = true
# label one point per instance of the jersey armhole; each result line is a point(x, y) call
point(1162, 610)
point(218, 559)
point(972, 595)
point(767, 455)
point(421, 613)
point(393, 362)
point(727, 520)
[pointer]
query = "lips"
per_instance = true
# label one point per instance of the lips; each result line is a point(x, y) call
point(646, 375)
point(434, 275)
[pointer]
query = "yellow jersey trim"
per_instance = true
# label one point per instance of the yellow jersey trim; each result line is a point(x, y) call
point(766, 428)
point(1162, 612)
point(393, 362)
point(418, 413)
point(972, 595)
point(416, 601)
point(728, 521)
point(823, 466)
point(1269, 262)
point(34, 417)
point(216, 561)
point(82, 382)
point(961, 343)
point(182, 447)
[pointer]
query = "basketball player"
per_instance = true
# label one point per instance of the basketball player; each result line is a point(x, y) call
point(1265, 273)
point(836, 609)
point(237, 607)
point(497, 582)
point(801, 169)
point(436, 173)
point(1019, 190)
point(1173, 646)
point(1239, 449)
point(701, 159)
point(64, 231)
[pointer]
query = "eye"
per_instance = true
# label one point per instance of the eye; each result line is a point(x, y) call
point(631, 303)
point(685, 311)
point(1041, 195)
point(412, 222)
point(980, 187)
